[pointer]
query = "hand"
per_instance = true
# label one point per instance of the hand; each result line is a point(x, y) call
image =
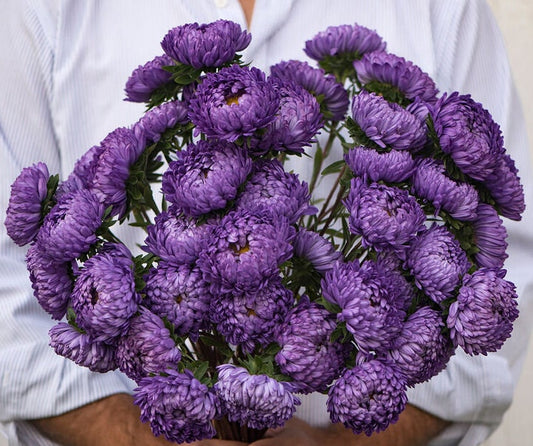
point(214, 443)
point(297, 432)
point(111, 421)
point(414, 428)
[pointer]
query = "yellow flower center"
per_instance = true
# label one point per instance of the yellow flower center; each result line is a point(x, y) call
point(232, 100)
point(235, 248)
point(250, 312)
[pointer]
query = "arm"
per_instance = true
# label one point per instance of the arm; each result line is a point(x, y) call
point(414, 428)
point(90, 425)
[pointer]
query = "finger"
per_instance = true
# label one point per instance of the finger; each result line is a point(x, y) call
point(267, 442)
point(274, 432)
point(221, 443)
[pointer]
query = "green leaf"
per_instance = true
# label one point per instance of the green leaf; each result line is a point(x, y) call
point(388, 91)
point(272, 349)
point(51, 185)
point(359, 136)
point(71, 316)
point(335, 167)
point(218, 344)
point(319, 158)
point(49, 200)
point(211, 341)
point(200, 369)
point(346, 234)
point(333, 233)
point(340, 334)
point(183, 74)
point(340, 65)
point(331, 307)
point(71, 319)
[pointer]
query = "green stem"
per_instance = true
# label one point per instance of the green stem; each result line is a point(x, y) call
point(349, 243)
point(333, 210)
point(149, 199)
point(146, 217)
point(324, 210)
point(354, 252)
point(110, 237)
point(208, 354)
point(326, 151)
point(186, 351)
point(233, 431)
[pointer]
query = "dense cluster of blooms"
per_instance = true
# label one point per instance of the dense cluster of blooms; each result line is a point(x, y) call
point(245, 293)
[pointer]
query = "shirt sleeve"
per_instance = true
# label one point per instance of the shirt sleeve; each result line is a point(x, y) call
point(34, 381)
point(474, 392)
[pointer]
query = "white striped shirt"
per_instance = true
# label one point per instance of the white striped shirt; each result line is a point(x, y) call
point(63, 66)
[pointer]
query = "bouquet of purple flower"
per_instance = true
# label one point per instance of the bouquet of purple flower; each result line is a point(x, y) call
point(252, 287)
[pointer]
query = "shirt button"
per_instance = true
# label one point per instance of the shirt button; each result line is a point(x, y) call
point(221, 3)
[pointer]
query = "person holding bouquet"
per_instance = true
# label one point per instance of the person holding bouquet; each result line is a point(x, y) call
point(63, 73)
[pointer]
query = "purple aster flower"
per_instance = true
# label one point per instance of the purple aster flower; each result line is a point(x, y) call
point(158, 119)
point(180, 295)
point(206, 45)
point(307, 354)
point(175, 238)
point(256, 401)
point(419, 108)
point(490, 237)
point(330, 93)
point(348, 41)
point(249, 318)
point(280, 192)
point(467, 132)
point(69, 229)
point(312, 364)
point(369, 302)
point(69, 342)
point(384, 216)
point(104, 296)
point(296, 123)
point(392, 167)
point(399, 73)
point(386, 123)
point(206, 177)
point(146, 78)
point(121, 150)
point(421, 350)
point(189, 91)
point(178, 406)
point(315, 248)
point(367, 398)
point(306, 320)
point(24, 211)
point(402, 291)
point(437, 262)
point(148, 348)
point(482, 317)
point(245, 251)
point(82, 175)
point(506, 190)
point(431, 183)
point(232, 103)
point(51, 281)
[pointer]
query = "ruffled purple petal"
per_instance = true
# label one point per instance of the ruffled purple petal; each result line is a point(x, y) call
point(24, 213)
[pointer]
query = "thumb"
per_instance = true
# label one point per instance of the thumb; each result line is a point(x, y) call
point(274, 432)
